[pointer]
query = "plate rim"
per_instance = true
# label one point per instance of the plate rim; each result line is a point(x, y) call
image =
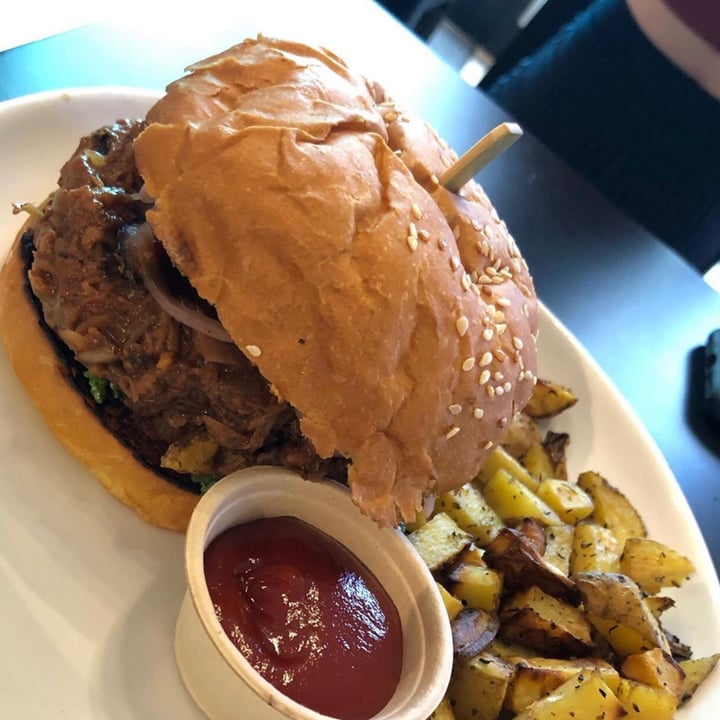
point(701, 553)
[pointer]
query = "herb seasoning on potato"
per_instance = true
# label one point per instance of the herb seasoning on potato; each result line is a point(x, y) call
point(553, 589)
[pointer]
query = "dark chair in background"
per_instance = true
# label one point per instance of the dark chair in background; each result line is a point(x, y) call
point(525, 41)
point(584, 79)
point(491, 24)
point(421, 16)
point(602, 97)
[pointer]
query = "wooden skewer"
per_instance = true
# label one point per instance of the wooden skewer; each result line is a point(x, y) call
point(487, 148)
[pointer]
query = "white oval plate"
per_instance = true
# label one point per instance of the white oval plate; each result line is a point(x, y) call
point(89, 594)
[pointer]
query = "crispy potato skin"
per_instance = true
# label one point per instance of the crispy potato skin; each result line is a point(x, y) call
point(472, 631)
point(537, 677)
point(559, 586)
point(522, 566)
point(439, 541)
point(549, 399)
point(478, 687)
point(696, 670)
point(554, 628)
point(585, 696)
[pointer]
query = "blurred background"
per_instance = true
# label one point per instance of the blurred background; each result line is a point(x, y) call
point(582, 77)
point(577, 74)
point(483, 38)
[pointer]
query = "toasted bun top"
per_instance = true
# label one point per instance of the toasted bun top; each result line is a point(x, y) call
point(397, 318)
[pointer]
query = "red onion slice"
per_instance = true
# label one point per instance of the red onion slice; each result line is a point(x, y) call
point(140, 242)
point(144, 196)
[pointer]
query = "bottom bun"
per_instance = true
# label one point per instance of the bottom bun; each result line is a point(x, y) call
point(64, 410)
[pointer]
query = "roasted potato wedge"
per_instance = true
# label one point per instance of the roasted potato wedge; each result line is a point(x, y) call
point(536, 677)
point(538, 462)
point(594, 549)
point(472, 632)
point(678, 649)
point(555, 629)
point(571, 503)
point(616, 607)
point(656, 668)
point(513, 501)
point(658, 604)
point(586, 696)
point(549, 399)
point(500, 459)
point(439, 541)
point(452, 604)
point(558, 546)
point(534, 531)
point(555, 446)
point(510, 651)
point(653, 565)
point(472, 555)
point(612, 510)
point(696, 670)
point(469, 509)
point(646, 702)
point(522, 566)
point(478, 686)
point(477, 586)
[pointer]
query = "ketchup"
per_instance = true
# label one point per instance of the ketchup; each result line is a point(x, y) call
point(307, 615)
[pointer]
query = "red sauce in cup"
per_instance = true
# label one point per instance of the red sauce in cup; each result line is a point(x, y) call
point(307, 615)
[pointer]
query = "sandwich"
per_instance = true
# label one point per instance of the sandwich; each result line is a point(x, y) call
point(266, 270)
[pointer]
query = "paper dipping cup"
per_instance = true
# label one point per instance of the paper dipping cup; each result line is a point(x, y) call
point(222, 682)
